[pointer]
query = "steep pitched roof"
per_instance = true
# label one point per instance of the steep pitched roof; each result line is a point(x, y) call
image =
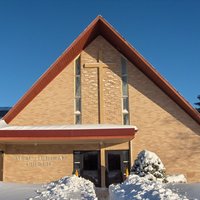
point(101, 27)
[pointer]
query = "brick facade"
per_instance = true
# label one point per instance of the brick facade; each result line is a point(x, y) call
point(163, 126)
point(44, 163)
point(54, 105)
point(111, 83)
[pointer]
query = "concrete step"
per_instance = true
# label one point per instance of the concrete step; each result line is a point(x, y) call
point(102, 193)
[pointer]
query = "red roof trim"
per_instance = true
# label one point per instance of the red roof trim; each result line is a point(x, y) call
point(68, 55)
point(101, 27)
point(80, 134)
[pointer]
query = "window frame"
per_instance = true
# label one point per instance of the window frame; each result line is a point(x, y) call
point(125, 92)
point(77, 95)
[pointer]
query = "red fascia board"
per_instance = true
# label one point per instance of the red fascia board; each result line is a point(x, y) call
point(78, 134)
point(44, 139)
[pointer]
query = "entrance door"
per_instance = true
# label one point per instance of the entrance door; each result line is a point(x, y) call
point(116, 164)
point(1, 165)
point(87, 163)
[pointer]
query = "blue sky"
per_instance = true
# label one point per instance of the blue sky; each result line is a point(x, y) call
point(33, 33)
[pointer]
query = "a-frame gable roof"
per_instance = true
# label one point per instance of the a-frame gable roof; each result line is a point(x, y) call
point(101, 27)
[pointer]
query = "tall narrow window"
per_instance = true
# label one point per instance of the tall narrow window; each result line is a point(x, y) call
point(125, 102)
point(77, 91)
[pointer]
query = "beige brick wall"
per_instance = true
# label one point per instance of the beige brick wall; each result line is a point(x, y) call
point(163, 127)
point(89, 94)
point(44, 163)
point(53, 105)
point(112, 96)
point(111, 83)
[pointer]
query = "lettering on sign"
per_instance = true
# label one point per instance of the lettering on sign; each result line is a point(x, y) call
point(39, 160)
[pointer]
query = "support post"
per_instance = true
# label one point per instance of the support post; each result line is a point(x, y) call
point(103, 166)
point(131, 153)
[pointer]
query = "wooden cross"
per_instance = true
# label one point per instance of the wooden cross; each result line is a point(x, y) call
point(100, 65)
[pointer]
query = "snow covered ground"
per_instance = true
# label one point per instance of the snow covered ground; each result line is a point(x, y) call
point(141, 190)
point(13, 191)
point(69, 187)
point(148, 181)
point(191, 191)
point(66, 188)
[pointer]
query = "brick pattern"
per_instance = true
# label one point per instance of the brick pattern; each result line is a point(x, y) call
point(44, 163)
point(112, 97)
point(89, 88)
point(111, 83)
point(54, 105)
point(163, 127)
point(37, 164)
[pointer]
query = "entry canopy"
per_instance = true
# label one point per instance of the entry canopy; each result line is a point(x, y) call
point(104, 133)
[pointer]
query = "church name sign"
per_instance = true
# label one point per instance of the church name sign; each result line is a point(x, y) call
point(39, 160)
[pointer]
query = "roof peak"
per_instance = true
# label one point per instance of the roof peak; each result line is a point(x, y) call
point(99, 26)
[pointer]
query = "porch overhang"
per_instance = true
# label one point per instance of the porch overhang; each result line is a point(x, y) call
point(67, 134)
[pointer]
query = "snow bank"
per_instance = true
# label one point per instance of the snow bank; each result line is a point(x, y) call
point(179, 178)
point(149, 164)
point(191, 190)
point(140, 188)
point(69, 187)
point(17, 191)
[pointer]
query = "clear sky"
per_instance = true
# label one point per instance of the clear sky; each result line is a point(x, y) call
point(33, 33)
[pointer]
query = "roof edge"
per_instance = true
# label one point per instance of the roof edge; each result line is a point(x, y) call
point(95, 28)
point(54, 69)
point(142, 64)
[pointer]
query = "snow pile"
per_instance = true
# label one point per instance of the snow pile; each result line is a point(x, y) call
point(179, 178)
point(69, 187)
point(140, 188)
point(148, 164)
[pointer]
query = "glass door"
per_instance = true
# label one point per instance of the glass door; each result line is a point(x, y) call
point(117, 162)
point(87, 164)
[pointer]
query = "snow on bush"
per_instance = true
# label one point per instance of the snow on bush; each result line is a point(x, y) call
point(148, 164)
point(69, 187)
point(179, 178)
point(140, 188)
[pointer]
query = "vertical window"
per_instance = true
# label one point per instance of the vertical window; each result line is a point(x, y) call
point(125, 102)
point(77, 91)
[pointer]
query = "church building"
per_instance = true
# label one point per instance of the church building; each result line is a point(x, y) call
point(97, 106)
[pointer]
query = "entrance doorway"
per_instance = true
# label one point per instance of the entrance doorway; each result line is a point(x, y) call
point(1, 165)
point(87, 163)
point(116, 164)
